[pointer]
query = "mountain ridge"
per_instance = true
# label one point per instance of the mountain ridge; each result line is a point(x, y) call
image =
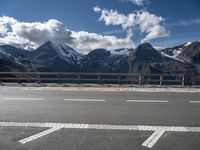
point(143, 59)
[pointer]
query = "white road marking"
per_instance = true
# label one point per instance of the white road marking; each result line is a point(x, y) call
point(146, 101)
point(150, 142)
point(153, 138)
point(36, 136)
point(195, 102)
point(85, 100)
point(113, 88)
point(24, 99)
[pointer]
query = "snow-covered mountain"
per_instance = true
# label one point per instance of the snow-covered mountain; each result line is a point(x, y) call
point(64, 52)
point(175, 51)
point(191, 53)
point(188, 52)
point(62, 58)
point(59, 58)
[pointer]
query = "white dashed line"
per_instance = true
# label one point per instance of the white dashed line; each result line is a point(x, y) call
point(195, 102)
point(146, 101)
point(24, 99)
point(150, 142)
point(85, 100)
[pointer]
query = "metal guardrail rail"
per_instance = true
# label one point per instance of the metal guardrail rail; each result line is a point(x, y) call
point(99, 78)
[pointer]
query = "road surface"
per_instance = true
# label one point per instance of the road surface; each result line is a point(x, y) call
point(94, 120)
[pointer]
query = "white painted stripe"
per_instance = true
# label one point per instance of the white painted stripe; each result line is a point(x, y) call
point(41, 134)
point(146, 101)
point(85, 100)
point(101, 126)
point(150, 142)
point(153, 138)
point(195, 102)
point(150, 138)
point(24, 99)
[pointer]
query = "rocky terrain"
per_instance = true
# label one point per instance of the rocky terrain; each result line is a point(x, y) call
point(145, 58)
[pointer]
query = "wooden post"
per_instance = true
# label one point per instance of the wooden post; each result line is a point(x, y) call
point(161, 80)
point(38, 78)
point(183, 80)
point(18, 78)
point(1, 80)
point(99, 79)
point(140, 79)
point(119, 79)
point(58, 77)
point(78, 79)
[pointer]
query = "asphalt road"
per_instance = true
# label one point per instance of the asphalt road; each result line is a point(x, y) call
point(98, 120)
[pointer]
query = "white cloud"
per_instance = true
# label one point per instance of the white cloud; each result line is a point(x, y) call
point(31, 35)
point(190, 22)
point(185, 22)
point(136, 2)
point(148, 24)
point(97, 9)
point(38, 33)
point(88, 41)
point(5, 22)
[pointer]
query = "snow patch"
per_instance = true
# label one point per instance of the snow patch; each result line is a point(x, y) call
point(177, 52)
point(159, 48)
point(173, 57)
point(188, 43)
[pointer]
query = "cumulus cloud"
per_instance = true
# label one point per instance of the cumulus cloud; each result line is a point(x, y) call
point(5, 22)
point(136, 2)
point(32, 35)
point(38, 33)
point(148, 24)
point(87, 41)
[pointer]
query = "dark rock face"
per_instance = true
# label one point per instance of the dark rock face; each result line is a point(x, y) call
point(145, 52)
point(9, 63)
point(116, 64)
point(94, 60)
point(142, 58)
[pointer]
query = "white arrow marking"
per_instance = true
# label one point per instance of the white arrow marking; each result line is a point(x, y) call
point(41, 134)
point(150, 142)
point(153, 138)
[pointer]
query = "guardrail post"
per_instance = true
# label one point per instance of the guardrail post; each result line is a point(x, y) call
point(183, 80)
point(38, 78)
point(78, 78)
point(58, 77)
point(161, 80)
point(141, 79)
point(119, 79)
point(18, 78)
point(1, 80)
point(99, 79)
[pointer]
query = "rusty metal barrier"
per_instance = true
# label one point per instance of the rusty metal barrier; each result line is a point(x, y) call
point(99, 78)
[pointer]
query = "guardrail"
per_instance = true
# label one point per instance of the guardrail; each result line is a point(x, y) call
point(99, 78)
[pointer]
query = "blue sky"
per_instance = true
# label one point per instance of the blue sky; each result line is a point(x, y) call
point(180, 18)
